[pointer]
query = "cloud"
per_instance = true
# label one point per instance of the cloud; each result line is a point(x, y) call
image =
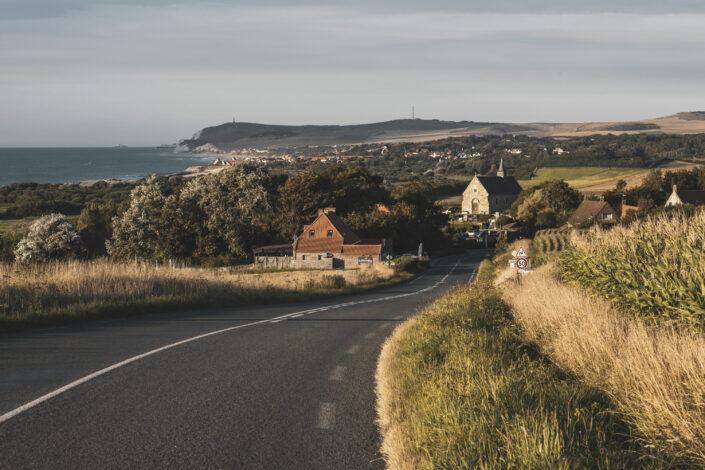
point(28, 9)
point(122, 72)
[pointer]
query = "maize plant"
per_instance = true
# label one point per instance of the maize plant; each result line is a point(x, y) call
point(655, 268)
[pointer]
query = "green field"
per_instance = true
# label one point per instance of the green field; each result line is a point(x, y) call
point(580, 176)
point(8, 224)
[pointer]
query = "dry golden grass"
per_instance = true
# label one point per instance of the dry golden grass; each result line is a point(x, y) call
point(61, 285)
point(655, 375)
point(458, 389)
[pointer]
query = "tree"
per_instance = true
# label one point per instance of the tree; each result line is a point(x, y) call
point(51, 237)
point(621, 186)
point(352, 188)
point(546, 205)
point(217, 216)
point(235, 206)
point(135, 232)
point(299, 199)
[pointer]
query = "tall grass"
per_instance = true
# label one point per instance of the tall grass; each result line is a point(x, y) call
point(81, 286)
point(655, 268)
point(654, 375)
point(457, 389)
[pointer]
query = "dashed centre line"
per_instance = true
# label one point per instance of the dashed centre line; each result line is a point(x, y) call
point(326, 416)
point(337, 374)
point(353, 349)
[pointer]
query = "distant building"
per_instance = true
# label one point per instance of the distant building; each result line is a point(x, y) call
point(490, 194)
point(601, 211)
point(328, 237)
point(382, 208)
point(685, 196)
point(325, 243)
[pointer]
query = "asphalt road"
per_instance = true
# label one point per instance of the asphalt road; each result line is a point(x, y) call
point(278, 386)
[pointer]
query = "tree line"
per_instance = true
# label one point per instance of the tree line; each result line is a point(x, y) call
point(217, 219)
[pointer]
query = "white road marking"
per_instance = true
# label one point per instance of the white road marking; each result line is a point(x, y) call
point(370, 335)
point(399, 317)
point(98, 373)
point(353, 349)
point(326, 416)
point(384, 325)
point(337, 374)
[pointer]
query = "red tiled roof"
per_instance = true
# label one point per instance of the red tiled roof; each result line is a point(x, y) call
point(588, 209)
point(362, 249)
point(349, 236)
point(320, 245)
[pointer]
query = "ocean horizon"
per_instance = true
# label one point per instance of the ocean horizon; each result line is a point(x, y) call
point(80, 164)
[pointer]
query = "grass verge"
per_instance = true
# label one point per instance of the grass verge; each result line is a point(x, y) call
point(654, 375)
point(457, 388)
point(68, 292)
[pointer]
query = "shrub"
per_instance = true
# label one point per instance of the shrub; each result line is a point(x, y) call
point(51, 237)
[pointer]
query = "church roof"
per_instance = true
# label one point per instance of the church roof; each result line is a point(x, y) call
point(500, 185)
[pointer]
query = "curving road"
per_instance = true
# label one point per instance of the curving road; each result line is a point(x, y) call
point(278, 386)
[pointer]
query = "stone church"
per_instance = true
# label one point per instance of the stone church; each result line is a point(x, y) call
point(490, 194)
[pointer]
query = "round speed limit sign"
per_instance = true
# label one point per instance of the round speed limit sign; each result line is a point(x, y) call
point(522, 263)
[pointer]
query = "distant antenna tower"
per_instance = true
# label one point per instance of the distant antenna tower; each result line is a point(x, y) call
point(413, 112)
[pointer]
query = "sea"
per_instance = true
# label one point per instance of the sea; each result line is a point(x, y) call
point(75, 165)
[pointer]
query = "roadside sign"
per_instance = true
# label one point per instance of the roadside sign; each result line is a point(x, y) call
point(522, 263)
point(521, 253)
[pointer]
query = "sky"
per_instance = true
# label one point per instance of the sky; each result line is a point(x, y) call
point(146, 72)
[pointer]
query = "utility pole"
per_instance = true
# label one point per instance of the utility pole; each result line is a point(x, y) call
point(413, 112)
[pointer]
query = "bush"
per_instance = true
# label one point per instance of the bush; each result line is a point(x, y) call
point(410, 264)
point(51, 237)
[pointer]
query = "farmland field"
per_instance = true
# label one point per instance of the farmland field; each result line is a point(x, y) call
point(595, 179)
point(581, 176)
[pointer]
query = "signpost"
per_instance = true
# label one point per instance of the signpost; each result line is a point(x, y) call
point(520, 260)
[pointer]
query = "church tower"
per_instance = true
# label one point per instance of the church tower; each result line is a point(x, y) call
point(500, 172)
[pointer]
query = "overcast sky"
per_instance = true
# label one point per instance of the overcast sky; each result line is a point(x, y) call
point(144, 72)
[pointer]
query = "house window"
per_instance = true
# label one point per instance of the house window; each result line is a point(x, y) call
point(329, 234)
point(474, 189)
point(311, 233)
point(303, 257)
point(606, 216)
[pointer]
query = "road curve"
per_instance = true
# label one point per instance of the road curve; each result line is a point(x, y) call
point(278, 386)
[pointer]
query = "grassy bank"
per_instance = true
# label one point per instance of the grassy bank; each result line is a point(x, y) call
point(655, 376)
point(457, 388)
point(71, 291)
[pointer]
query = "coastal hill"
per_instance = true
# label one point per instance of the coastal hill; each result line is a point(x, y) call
point(233, 136)
point(239, 135)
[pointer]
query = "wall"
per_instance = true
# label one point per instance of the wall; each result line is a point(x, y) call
point(469, 194)
point(288, 262)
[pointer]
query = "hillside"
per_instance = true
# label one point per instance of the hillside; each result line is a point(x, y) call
point(234, 136)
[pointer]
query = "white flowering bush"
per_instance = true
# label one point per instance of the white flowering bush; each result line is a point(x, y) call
point(51, 237)
point(212, 215)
